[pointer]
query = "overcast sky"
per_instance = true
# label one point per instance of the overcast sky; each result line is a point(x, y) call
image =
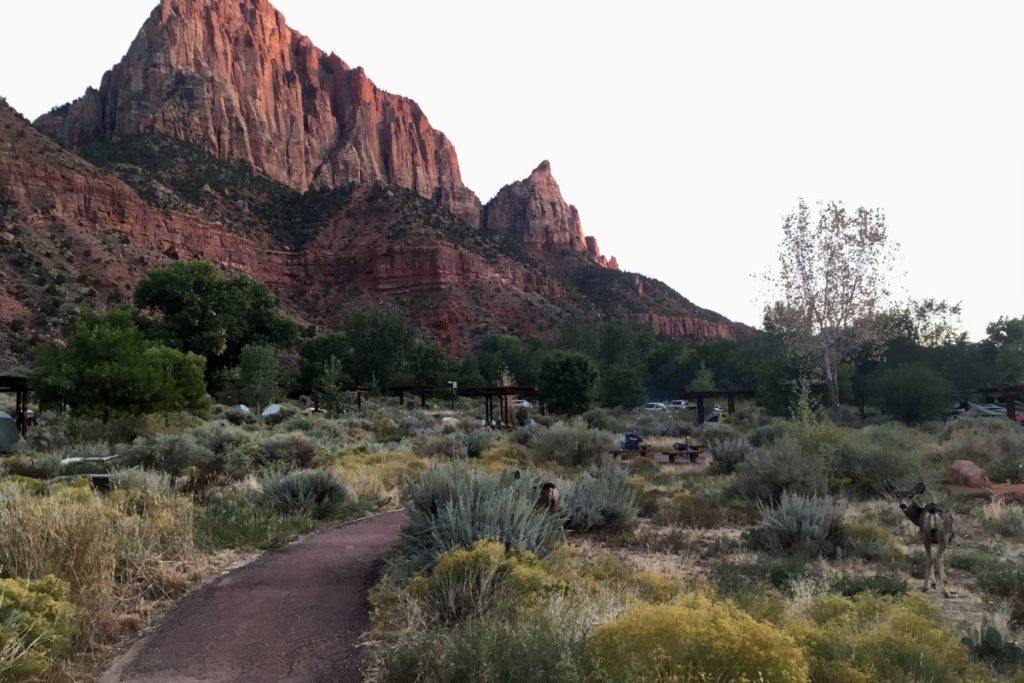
point(682, 131)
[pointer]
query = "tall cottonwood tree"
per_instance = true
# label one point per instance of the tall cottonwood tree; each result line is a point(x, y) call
point(831, 283)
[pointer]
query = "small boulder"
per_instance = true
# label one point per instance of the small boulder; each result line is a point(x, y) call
point(968, 473)
point(8, 237)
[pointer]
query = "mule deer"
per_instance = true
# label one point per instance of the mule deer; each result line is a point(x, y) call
point(548, 498)
point(936, 525)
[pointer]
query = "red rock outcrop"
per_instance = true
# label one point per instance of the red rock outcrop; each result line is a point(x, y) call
point(233, 78)
point(532, 212)
point(969, 474)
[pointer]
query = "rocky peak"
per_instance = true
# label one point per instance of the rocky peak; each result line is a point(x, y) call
point(532, 212)
point(231, 77)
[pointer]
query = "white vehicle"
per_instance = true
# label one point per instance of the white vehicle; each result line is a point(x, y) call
point(521, 403)
point(680, 404)
point(654, 405)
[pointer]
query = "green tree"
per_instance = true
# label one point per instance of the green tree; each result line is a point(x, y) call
point(704, 381)
point(427, 363)
point(190, 306)
point(521, 356)
point(1006, 336)
point(913, 393)
point(260, 374)
point(568, 382)
point(621, 385)
point(380, 341)
point(468, 372)
point(315, 354)
point(328, 391)
point(107, 367)
point(830, 284)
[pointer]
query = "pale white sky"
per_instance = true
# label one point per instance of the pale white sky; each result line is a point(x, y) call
point(683, 131)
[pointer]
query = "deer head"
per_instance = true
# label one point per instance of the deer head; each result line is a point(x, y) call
point(904, 498)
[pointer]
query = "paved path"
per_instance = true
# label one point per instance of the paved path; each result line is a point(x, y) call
point(291, 615)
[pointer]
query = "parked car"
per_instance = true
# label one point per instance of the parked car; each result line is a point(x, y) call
point(654, 405)
point(680, 404)
point(521, 403)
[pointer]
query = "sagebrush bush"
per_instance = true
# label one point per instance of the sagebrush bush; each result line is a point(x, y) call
point(660, 423)
point(767, 434)
point(601, 498)
point(451, 444)
point(173, 453)
point(1003, 519)
point(317, 493)
point(995, 575)
point(38, 625)
point(768, 472)
point(478, 441)
point(140, 479)
point(453, 506)
point(572, 444)
point(869, 638)
point(696, 640)
point(810, 525)
point(728, 453)
point(865, 458)
point(287, 450)
point(386, 430)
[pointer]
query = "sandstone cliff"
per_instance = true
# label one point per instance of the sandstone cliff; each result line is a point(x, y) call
point(533, 213)
point(233, 78)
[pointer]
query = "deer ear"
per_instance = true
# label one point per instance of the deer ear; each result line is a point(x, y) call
point(887, 486)
point(919, 489)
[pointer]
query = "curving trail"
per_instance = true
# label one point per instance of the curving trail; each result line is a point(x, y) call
point(292, 615)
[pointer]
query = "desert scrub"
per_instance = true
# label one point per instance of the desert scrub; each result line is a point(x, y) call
point(601, 498)
point(693, 510)
point(728, 453)
point(1002, 519)
point(996, 445)
point(239, 519)
point(174, 454)
point(994, 575)
point(38, 625)
point(865, 458)
point(784, 466)
point(879, 584)
point(870, 638)
point(696, 639)
point(317, 493)
point(453, 506)
point(572, 444)
point(140, 479)
point(808, 525)
point(466, 583)
point(868, 539)
point(451, 445)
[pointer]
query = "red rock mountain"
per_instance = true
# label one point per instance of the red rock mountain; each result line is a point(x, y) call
point(533, 213)
point(231, 77)
point(225, 135)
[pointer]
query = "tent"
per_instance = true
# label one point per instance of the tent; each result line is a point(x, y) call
point(8, 432)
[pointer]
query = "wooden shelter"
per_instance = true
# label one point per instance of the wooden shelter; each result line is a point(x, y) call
point(729, 395)
point(420, 390)
point(19, 386)
point(503, 394)
point(1009, 394)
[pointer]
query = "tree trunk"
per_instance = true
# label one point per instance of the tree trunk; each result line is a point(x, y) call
point(832, 378)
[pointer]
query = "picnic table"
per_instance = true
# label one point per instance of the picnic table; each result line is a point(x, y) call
point(692, 453)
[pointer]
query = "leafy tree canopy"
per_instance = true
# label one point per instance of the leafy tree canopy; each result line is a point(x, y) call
point(568, 382)
point(107, 367)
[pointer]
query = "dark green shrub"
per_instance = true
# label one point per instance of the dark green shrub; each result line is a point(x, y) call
point(317, 493)
point(242, 521)
point(864, 459)
point(810, 525)
point(990, 647)
point(994, 575)
point(38, 624)
point(478, 441)
point(781, 574)
point(878, 584)
point(767, 434)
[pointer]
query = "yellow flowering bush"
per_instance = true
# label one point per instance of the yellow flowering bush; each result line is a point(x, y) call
point(37, 626)
point(694, 639)
point(870, 638)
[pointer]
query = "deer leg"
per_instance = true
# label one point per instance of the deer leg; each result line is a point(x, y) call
point(941, 560)
point(927, 566)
